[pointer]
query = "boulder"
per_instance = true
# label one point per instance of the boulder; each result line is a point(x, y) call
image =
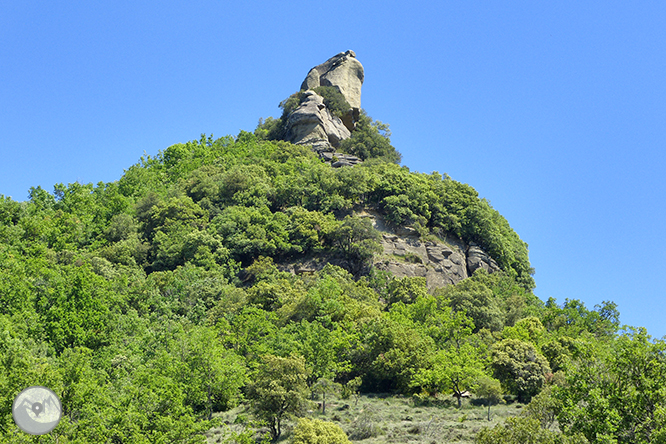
point(312, 123)
point(342, 71)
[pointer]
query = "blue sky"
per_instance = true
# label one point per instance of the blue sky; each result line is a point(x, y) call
point(556, 113)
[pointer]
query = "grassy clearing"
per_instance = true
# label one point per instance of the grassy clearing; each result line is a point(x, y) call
point(376, 419)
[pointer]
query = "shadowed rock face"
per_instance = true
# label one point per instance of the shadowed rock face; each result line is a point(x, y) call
point(477, 258)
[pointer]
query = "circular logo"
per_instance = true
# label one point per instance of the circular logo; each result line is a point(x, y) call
point(37, 410)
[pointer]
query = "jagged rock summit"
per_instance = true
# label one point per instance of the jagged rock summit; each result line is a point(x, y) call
point(313, 124)
point(345, 73)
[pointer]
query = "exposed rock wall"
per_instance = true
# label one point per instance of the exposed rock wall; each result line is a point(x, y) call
point(313, 124)
point(408, 256)
point(345, 73)
point(440, 262)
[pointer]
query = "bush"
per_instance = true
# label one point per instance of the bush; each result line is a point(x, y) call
point(291, 103)
point(334, 100)
point(316, 431)
point(371, 139)
point(363, 428)
point(520, 367)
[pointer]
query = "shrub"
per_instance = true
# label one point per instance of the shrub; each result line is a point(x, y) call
point(363, 428)
point(316, 431)
point(371, 139)
point(334, 100)
point(520, 367)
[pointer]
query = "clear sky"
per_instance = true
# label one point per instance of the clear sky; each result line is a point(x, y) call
point(554, 111)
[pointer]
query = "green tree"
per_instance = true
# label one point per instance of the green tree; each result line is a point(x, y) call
point(279, 390)
point(519, 366)
point(351, 388)
point(74, 305)
point(357, 240)
point(371, 139)
point(334, 100)
point(248, 331)
point(490, 389)
point(395, 349)
point(528, 329)
point(326, 387)
point(618, 396)
point(211, 374)
point(406, 289)
point(573, 319)
point(560, 351)
point(322, 348)
point(456, 369)
point(477, 301)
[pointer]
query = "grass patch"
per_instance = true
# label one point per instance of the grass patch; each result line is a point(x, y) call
point(383, 419)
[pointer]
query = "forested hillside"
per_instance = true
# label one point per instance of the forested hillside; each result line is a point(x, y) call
point(152, 303)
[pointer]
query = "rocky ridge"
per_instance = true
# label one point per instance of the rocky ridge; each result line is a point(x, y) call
point(440, 261)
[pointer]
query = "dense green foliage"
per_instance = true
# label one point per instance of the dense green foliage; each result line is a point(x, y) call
point(151, 303)
point(371, 139)
point(334, 100)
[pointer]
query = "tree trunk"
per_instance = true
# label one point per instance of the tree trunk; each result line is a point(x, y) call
point(489, 410)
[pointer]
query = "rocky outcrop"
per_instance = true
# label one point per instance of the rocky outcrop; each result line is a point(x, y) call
point(439, 263)
point(338, 160)
point(345, 73)
point(442, 262)
point(313, 124)
point(477, 258)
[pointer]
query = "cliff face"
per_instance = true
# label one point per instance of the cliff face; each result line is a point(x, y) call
point(440, 261)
